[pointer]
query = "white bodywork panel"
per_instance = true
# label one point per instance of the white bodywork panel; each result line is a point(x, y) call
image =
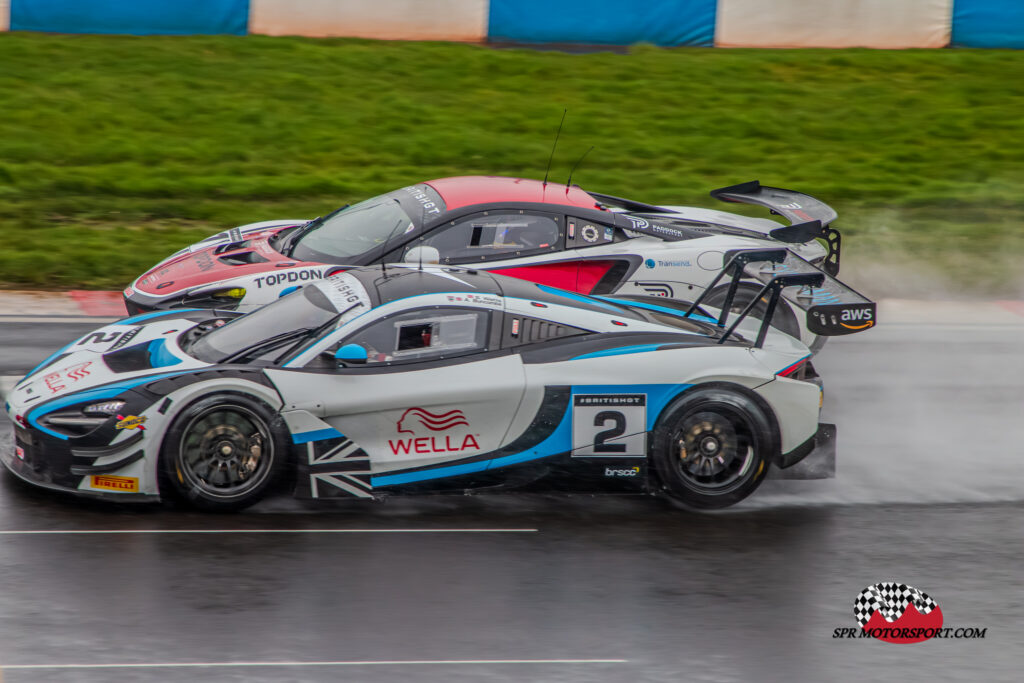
point(414, 417)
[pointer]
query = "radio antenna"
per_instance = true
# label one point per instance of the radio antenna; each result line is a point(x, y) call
point(423, 222)
point(569, 181)
point(384, 256)
point(550, 158)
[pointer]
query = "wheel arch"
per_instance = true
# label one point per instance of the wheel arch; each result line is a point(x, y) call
point(184, 395)
point(774, 436)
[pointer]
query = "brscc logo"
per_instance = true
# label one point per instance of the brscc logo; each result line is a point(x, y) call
point(897, 613)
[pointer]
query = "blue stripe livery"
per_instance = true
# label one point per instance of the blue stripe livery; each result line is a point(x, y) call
point(670, 311)
point(317, 435)
point(621, 351)
point(94, 394)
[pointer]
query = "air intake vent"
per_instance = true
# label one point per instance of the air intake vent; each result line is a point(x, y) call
point(243, 258)
point(522, 330)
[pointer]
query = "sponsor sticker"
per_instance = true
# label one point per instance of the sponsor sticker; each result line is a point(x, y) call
point(290, 276)
point(662, 289)
point(433, 433)
point(204, 261)
point(19, 452)
point(589, 233)
point(609, 425)
point(417, 193)
point(130, 422)
point(484, 299)
point(857, 319)
point(347, 294)
point(111, 483)
point(622, 471)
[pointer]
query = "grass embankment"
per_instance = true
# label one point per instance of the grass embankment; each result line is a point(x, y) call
point(115, 151)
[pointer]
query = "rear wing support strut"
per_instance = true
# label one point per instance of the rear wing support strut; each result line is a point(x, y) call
point(735, 268)
point(775, 286)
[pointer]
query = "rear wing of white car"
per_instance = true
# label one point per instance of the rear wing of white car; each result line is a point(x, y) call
point(832, 308)
point(810, 218)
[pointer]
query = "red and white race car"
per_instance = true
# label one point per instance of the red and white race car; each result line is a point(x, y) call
point(547, 233)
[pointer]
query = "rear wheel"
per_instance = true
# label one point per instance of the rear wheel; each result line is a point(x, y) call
point(784, 319)
point(222, 454)
point(712, 447)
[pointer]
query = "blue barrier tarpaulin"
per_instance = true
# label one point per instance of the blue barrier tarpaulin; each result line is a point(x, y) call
point(607, 22)
point(138, 17)
point(988, 23)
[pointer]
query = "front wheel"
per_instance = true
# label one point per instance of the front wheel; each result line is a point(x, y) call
point(221, 453)
point(712, 448)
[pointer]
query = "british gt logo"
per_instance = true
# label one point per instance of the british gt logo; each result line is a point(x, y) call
point(415, 420)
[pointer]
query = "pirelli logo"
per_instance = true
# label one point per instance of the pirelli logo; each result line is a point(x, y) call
point(122, 484)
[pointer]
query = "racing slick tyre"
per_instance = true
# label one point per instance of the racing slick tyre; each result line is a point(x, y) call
point(712, 447)
point(783, 319)
point(222, 453)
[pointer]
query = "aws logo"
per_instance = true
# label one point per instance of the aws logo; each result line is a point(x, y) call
point(416, 421)
point(859, 319)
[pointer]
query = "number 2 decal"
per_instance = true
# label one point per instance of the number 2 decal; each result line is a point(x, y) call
point(600, 439)
point(609, 425)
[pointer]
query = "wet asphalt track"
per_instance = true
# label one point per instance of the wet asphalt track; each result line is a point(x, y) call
point(930, 492)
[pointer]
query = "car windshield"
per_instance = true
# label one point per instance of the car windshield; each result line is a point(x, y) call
point(306, 309)
point(354, 231)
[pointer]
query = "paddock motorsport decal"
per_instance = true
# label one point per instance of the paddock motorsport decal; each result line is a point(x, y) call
point(896, 612)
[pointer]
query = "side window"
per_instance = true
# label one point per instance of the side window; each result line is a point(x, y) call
point(425, 334)
point(584, 233)
point(495, 234)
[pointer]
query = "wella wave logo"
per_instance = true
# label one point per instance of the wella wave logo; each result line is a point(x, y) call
point(417, 420)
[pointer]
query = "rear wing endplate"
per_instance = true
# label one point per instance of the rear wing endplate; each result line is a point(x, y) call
point(832, 307)
point(810, 218)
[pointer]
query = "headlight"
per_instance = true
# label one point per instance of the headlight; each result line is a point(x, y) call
point(80, 421)
point(107, 408)
point(235, 293)
point(227, 299)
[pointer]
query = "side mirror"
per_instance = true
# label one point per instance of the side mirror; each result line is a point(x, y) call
point(422, 255)
point(351, 353)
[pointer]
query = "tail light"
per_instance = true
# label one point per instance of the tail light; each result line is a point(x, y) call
point(801, 370)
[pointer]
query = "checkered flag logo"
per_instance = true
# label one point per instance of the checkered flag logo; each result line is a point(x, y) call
point(891, 599)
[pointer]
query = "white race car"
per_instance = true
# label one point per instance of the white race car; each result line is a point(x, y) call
point(542, 232)
point(406, 379)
